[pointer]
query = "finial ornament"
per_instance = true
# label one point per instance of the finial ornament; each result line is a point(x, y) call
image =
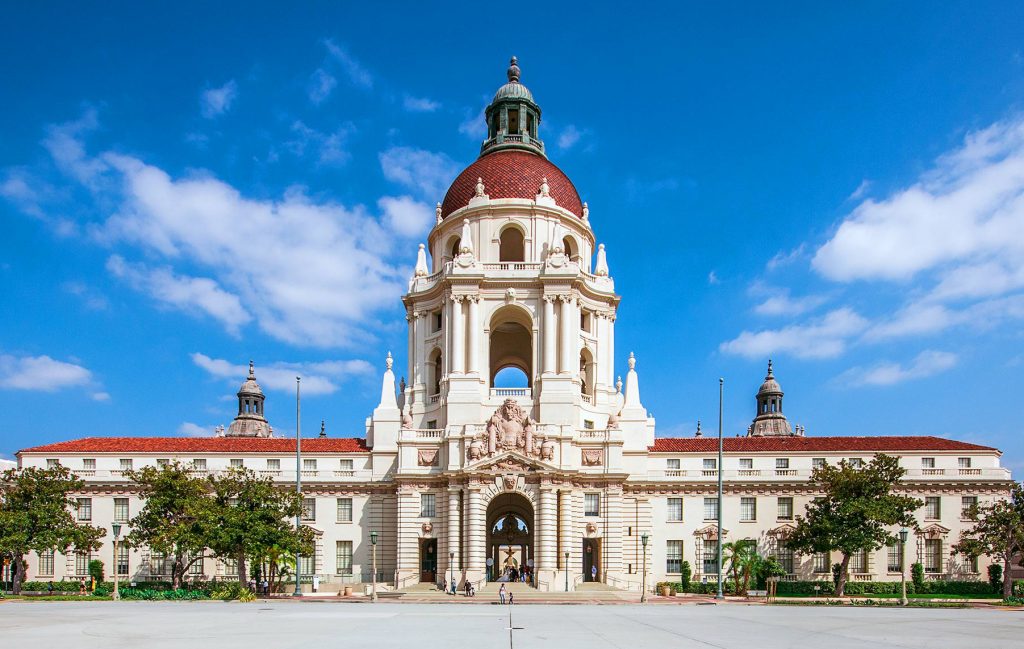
point(479, 187)
point(586, 212)
point(437, 212)
point(421, 261)
point(769, 368)
point(618, 385)
point(252, 370)
point(513, 70)
point(323, 429)
point(545, 190)
point(389, 361)
point(700, 433)
point(632, 361)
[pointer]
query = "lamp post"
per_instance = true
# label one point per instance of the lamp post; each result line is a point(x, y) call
point(719, 595)
point(298, 481)
point(566, 571)
point(643, 583)
point(903, 566)
point(451, 568)
point(116, 527)
point(373, 545)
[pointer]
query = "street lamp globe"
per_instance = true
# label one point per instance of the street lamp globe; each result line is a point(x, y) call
point(116, 527)
point(903, 535)
point(373, 538)
point(643, 539)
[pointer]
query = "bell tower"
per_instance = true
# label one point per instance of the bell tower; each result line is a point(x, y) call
point(250, 421)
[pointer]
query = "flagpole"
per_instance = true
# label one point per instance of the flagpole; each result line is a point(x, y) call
point(298, 480)
point(719, 595)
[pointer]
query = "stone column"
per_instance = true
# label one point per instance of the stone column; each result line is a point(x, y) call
point(547, 539)
point(569, 332)
point(474, 333)
point(458, 336)
point(568, 536)
point(476, 538)
point(453, 534)
point(549, 334)
point(419, 356)
point(610, 342)
point(411, 318)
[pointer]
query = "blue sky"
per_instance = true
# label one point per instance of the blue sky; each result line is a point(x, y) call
point(839, 188)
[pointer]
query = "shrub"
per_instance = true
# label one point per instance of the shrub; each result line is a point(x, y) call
point(96, 570)
point(995, 577)
point(231, 590)
point(1018, 587)
point(153, 594)
point(685, 575)
point(804, 588)
point(917, 576)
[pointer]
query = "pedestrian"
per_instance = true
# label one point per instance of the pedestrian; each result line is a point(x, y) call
point(593, 573)
point(49, 587)
point(266, 587)
point(455, 586)
point(81, 586)
point(316, 584)
point(511, 598)
point(501, 594)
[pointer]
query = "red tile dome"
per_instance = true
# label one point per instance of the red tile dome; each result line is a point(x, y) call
point(512, 173)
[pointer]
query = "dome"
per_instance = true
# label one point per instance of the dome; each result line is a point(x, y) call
point(250, 386)
point(512, 173)
point(513, 90)
point(770, 385)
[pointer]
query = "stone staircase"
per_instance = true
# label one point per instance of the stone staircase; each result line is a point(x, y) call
point(522, 593)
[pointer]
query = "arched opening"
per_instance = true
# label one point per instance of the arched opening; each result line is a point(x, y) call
point(511, 377)
point(511, 343)
point(569, 246)
point(586, 372)
point(511, 245)
point(435, 369)
point(453, 247)
point(510, 538)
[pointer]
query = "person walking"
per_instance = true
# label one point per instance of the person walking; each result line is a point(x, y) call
point(501, 594)
point(593, 573)
point(266, 587)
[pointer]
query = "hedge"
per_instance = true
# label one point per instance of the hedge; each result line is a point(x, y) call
point(886, 588)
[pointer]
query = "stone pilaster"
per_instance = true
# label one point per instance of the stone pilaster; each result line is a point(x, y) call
point(547, 533)
point(549, 343)
point(476, 537)
point(454, 532)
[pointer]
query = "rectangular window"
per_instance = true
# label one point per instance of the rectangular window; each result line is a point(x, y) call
point(932, 508)
point(894, 563)
point(675, 509)
point(89, 464)
point(821, 563)
point(428, 505)
point(273, 464)
point(309, 465)
point(971, 564)
point(345, 464)
point(437, 321)
point(927, 463)
point(784, 555)
point(746, 463)
point(52, 463)
point(231, 567)
point(120, 510)
point(967, 503)
point(84, 507)
point(199, 464)
point(782, 463)
point(710, 558)
point(856, 462)
point(710, 463)
point(122, 560)
point(785, 508)
point(591, 504)
point(344, 510)
point(748, 509)
point(673, 557)
point(82, 560)
point(307, 565)
point(513, 122)
point(711, 509)
point(588, 424)
point(818, 463)
point(963, 462)
point(672, 464)
point(195, 569)
point(162, 462)
point(46, 563)
point(933, 555)
point(309, 509)
point(237, 463)
point(126, 464)
point(859, 562)
point(343, 562)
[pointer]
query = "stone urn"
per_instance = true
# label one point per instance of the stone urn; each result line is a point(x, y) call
point(475, 450)
point(666, 591)
point(347, 591)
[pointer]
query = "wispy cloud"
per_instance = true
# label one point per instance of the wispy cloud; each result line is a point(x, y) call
point(569, 136)
point(322, 377)
point(321, 84)
point(217, 101)
point(357, 74)
point(405, 215)
point(786, 257)
point(427, 172)
point(782, 304)
point(45, 374)
point(925, 364)
point(419, 104)
point(91, 298)
point(473, 125)
point(713, 278)
point(824, 337)
point(188, 429)
point(328, 148)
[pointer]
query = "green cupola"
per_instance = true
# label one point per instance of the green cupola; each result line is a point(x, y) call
point(513, 118)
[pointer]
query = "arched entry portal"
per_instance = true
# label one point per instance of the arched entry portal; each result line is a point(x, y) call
point(511, 342)
point(510, 540)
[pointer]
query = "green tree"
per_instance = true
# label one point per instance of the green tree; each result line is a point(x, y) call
point(998, 532)
point(742, 560)
point(252, 516)
point(172, 522)
point(855, 512)
point(35, 515)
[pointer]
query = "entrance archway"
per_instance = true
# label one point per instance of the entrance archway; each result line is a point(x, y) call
point(510, 539)
point(511, 342)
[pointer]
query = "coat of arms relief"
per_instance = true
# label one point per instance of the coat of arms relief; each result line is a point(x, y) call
point(510, 429)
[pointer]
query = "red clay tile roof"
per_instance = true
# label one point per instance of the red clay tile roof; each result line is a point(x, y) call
point(202, 445)
point(811, 444)
point(510, 173)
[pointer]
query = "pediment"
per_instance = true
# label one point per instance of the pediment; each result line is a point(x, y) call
point(782, 531)
point(710, 532)
point(509, 462)
point(933, 531)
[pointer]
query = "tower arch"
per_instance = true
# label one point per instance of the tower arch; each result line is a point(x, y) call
point(510, 342)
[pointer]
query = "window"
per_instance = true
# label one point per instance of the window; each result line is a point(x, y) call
point(343, 561)
point(346, 464)
point(309, 465)
point(231, 567)
point(307, 565)
point(437, 321)
point(46, 563)
point(126, 464)
point(273, 465)
point(673, 557)
point(710, 558)
point(199, 464)
point(821, 562)
point(971, 564)
point(711, 509)
point(675, 509)
point(933, 555)
point(588, 424)
point(672, 464)
point(511, 245)
point(748, 509)
point(591, 504)
point(746, 463)
point(309, 509)
point(52, 463)
point(195, 569)
point(856, 462)
point(927, 463)
point(967, 503)
point(427, 505)
point(157, 563)
point(120, 510)
point(818, 463)
point(963, 462)
point(784, 555)
point(162, 462)
point(84, 507)
point(82, 560)
point(513, 121)
point(237, 464)
point(782, 463)
point(932, 508)
point(710, 463)
point(785, 508)
point(344, 510)
point(895, 557)
point(122, 560)
point(89, 464)
point(859, 562)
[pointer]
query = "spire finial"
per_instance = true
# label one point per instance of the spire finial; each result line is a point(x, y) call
point(700, 433)
point(632, 361)
point(769, 368)
point(513, 70)
point(389, 361)
point(252, 369)
point(323, 428)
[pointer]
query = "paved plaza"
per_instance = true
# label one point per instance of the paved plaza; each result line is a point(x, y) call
point(322, 624)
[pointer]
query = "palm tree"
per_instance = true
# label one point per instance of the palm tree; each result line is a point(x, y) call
point(743, 560)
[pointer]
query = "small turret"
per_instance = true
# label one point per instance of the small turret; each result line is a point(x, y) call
point(250, 421)
point(769, 419)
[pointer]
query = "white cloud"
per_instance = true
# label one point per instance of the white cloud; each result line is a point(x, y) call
point(41, 373)
point(926, 317)
point(405, 215)
point(321, 84)
point(101, 396)
point(427, 172)
point(784, 258)
point(356, 73)
point(329, 148)
point(317, 378)
point(419, 104)
point(925, 364)
point(713, 278)
point(188, 429)
point(217, 101)
point(185, 293)
point(782, 304)
point(91, 297)
point(824, 337)
point(569, 136)
point(473, 124)
point(861, 190)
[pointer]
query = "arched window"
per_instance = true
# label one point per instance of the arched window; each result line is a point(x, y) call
point(453, 251)
point(436, 370)
point(586, 372)
point(511, 247)
point(569, 245)
point(511, 348)
point(511, 377)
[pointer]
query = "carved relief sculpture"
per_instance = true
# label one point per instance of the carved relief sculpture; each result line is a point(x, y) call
point(593, 457)
point(426, 457)
point(475, 450)
point(508, 429)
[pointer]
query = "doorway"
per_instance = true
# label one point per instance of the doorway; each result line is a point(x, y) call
point(591, 559)
point(428, 560)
